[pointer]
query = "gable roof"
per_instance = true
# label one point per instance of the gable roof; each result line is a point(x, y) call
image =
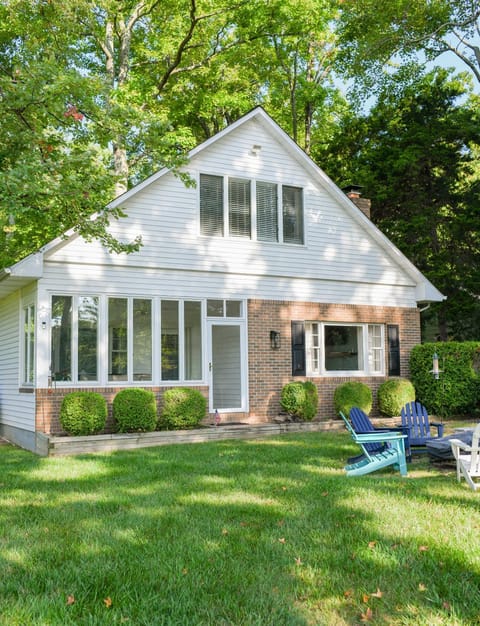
point(425, 291)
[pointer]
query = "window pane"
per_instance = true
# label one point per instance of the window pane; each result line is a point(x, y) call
point(211, 205)
point(239, 207)
point(87, 337)
point(169, 340)
point(267, 216)
point(142, 340)
point(342, 344)
point(62, 337)
point(118, 338)
point(375, 348)
point(28, 344)
point(234, 308)
point(292, 214)
point(215, 308)
point(193, 340)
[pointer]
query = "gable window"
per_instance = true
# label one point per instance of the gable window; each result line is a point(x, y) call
point(251, 209)
point(28, 345)
point(292, 203)
point(344, 349)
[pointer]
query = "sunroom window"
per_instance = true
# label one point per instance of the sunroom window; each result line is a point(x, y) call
point(344, 349)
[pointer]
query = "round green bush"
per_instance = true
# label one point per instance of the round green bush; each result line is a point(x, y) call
point(393, 394)
point(183, 407)
point(300, 399)
point(83, 413)
point(135, 410)
point(352, 394)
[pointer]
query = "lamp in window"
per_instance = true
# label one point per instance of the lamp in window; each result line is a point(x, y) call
point(274, 339)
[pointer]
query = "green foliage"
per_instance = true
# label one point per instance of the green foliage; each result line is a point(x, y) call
point(457, 390)
point(393, 394)
point(300, 399)
point(135, 410)
point(183, 407)
point(352, 394)
point(83, 413)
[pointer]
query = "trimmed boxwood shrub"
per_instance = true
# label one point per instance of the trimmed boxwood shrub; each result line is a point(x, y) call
point(393, 394)
point(457, 390)
point(300, 399)
point(135, 410)
point(352, 394)
point(83, 413)
point(183, 407)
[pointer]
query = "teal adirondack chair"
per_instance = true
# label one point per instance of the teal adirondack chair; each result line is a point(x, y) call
point(372, 461)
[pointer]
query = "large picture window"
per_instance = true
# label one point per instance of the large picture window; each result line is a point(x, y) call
point(259, 210)
point(344, 349)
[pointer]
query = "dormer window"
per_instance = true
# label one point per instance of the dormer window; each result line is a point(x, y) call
point(258, 210)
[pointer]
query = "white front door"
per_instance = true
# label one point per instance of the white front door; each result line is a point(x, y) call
point(227, 366)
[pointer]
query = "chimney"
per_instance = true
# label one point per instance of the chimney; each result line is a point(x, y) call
point(354, 192)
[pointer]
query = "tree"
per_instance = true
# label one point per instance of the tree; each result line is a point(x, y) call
point(373, 39)
point(416, 154)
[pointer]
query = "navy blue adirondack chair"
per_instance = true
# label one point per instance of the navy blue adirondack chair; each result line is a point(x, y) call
point(415, 418)
point(362, 424)
point(376, 455)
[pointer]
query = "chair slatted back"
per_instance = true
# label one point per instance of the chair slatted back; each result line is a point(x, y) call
point(362, 424)
point(415, 416)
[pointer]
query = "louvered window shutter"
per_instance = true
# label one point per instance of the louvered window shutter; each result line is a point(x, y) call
point(393, 350)
point(267, 216)
point(239, 207)
point(211, 205)
point(298, 349)
point(292, 204)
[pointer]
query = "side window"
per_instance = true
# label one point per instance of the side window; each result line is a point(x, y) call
point(267, 212)
point(239, 207)
point(28, 377)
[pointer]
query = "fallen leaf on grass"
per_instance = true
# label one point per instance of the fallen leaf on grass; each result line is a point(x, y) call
point(372, 544)
point(70, 600)
point(224, 531)
point(107, 602)
point(348, 593)
point(365, 598)
point(423, 548)
point(422, 587)
point(446, 606)
point(298, 561)
point(377, 594)
point(282, 540)
point(324, 493)
point(367, 616)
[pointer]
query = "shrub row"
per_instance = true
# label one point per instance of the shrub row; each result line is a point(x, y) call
point(133, 410)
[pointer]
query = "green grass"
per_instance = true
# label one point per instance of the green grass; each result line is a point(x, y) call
point(265, 532)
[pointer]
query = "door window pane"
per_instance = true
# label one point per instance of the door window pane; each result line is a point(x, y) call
point(87, 337)
point(193, 340)
point(142, 339)
point(170, 349)
point(118, 338)
point(62, 338)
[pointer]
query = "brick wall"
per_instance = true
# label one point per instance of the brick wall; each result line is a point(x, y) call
point(270, 369)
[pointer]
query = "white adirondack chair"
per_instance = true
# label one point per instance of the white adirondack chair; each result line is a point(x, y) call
point(468, 458)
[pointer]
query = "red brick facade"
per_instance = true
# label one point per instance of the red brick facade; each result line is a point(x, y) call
point(270, 369)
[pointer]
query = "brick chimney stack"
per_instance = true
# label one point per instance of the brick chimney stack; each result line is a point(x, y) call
point(354, 192)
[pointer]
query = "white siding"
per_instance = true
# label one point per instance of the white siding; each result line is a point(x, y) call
point(340, 261)
point(16, 409)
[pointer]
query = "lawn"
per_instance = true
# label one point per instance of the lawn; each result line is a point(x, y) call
point(263, 532)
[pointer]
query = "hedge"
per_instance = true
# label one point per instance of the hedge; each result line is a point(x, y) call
point(457, 390)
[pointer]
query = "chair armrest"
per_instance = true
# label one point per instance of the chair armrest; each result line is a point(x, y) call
point(382, 436)
point(457, 444)
point(439, 428)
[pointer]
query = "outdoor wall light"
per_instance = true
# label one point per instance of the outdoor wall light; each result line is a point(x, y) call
point(274, 339)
